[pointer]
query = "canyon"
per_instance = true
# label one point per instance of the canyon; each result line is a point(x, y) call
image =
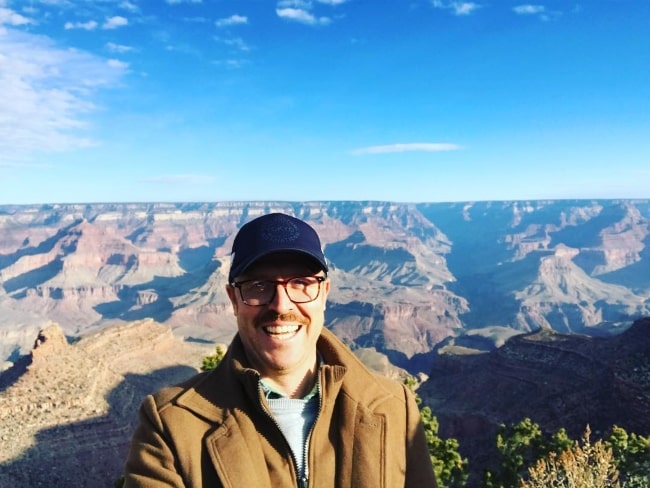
point(406, 277)
point(101, 304)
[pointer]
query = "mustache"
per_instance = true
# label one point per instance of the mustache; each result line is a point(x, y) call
point(270, 316)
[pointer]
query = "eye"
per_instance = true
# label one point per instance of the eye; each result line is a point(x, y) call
point(259, 286)
point(255, 287)
point(299, 282)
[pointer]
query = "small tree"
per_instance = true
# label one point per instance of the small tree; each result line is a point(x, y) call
point(212, 361)
point(632, 457)
point(519, 445)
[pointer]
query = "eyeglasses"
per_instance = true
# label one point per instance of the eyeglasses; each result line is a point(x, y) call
point(303, 289)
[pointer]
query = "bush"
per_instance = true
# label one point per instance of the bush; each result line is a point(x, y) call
point(582, 465)
point(530, 459)
point(212, 361)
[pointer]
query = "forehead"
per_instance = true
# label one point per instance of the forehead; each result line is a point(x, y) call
point(282, 264)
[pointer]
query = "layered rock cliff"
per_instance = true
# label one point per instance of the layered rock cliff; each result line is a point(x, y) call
point(405, 276)
point(557, 380)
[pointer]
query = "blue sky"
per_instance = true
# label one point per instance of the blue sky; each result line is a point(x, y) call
point(395, 100)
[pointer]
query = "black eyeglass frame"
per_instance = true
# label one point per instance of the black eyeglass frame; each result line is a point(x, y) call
point(283, 283)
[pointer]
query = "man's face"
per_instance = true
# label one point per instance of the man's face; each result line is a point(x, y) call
point(280, 338)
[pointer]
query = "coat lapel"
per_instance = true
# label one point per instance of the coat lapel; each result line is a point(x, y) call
point(236, 461)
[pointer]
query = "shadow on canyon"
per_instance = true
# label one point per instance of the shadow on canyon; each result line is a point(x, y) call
point(91, 452)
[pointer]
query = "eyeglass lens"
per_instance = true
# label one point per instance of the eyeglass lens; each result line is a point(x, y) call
point(262, 292)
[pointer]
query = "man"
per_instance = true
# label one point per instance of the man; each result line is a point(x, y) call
point(289, 405)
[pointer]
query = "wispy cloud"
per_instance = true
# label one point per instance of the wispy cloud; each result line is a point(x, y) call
point(408, 147)
point(179, 179)
point(458, 8)
point(232, 20)
point(539, 11)
point(9, 17)
point(89, 25)
point(300, 4)
point(231, 63)
point(130, 6)
point(115, 22)
point(47, 93)
point(529, 9)
point(110, 23)
point(302, 11)
point(118, 48)
point(116, 63)
point(302, 16)
point(234, 42)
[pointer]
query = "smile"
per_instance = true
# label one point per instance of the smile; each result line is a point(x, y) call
point(281, 331)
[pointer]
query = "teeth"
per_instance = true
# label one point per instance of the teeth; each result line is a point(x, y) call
point(282, 329)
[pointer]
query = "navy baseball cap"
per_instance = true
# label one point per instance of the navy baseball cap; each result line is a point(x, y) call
point(275, 232)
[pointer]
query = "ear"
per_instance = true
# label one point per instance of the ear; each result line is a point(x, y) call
point(232, 294)
point(326, 288)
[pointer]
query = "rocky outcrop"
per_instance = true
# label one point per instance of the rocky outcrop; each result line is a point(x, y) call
point(557, 380)
point(67, 411)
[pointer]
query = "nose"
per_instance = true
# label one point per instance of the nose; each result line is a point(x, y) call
point(281, 300)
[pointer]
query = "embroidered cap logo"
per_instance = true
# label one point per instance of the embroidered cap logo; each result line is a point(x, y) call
point(280, 230)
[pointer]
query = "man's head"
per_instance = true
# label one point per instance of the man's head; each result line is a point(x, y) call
point(278, 287)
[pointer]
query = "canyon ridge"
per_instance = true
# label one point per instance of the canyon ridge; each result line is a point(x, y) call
point(406, 277)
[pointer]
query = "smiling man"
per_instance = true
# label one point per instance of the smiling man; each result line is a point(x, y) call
point(289, 405)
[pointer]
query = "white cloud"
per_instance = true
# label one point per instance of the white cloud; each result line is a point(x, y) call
point(537, 10)
point(409, 147)
point(232, 20)
point(464, 8)
point(118, 48)
point(116, 63)
point(301, 15)
point(90, 25)
point(131, 7)
point(47, 94)
point(9, 17)
point(302, 11)
point(299, 4)
point(459, 8)
point(529, 9)
point(115, 22)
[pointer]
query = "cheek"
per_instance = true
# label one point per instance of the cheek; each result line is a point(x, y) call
point(246, 316)
point(231, 292)
point(317, 312)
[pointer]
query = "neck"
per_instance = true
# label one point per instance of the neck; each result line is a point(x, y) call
point(293, 386)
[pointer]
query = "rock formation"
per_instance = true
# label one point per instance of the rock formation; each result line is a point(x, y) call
point(557, 380)
point(405, 276)
point(67, 410)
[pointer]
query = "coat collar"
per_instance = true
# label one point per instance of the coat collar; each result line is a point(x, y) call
point(234, 381)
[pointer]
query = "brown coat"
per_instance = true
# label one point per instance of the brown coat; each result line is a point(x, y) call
point(214, 431)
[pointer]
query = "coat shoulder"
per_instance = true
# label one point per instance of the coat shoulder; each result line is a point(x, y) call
point(169, 394)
